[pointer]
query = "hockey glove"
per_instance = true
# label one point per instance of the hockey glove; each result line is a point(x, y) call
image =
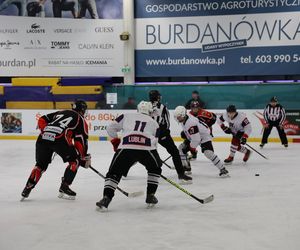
point(243, 140)
point(86, 161)
point(193, 150)
point(115, 142)
point(226, 129)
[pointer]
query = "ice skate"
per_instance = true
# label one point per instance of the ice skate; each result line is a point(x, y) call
point(187, 170)
point(65, 192)
point(224, 173)
point(247, 155)
point(228, 160)
point(151, 200)
point(102, 205)
point(261, 145)
point(25, 193)
point(184, 179)
point(285, 145)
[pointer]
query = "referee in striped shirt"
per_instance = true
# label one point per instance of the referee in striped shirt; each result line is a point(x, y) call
point(274, 115)
point(162, 116)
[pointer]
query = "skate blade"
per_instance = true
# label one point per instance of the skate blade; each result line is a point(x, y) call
point(184, 182)
point(225, 176)
point(188, 172)
point(227, 163)
point(101, 209)
point(135, 194)
point(22, 199)
point(208, 199)
point(65, 196)
point(150, 205)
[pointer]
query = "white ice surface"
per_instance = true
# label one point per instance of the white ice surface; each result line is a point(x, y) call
point(248, 213)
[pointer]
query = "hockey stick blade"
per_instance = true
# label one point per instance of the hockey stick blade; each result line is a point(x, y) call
point(202, 201)
point(208, 199)
point(135, 194)
point(131, 195)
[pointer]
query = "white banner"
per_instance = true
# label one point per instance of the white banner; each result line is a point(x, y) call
point(24, 122)
point(259, 30)
point(32, 46)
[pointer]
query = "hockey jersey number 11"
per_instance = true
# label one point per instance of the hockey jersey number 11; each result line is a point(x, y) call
point(138, 131)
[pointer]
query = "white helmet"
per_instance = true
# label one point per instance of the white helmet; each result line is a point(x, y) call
point(180, 111)
point(145, 108)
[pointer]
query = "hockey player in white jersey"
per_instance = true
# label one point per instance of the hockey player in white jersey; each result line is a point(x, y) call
point(240, 128)
point(197, 133)
point(138, 143)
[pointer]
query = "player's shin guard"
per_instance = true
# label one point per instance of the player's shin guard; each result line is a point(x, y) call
point(233, 149)
point(184, 159)
point(214, 158)
point(152, 183)
point(242, 149)
point(33, 179)
point(70, 172)
point(110, 185)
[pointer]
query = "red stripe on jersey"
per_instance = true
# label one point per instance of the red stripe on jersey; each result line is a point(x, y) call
point(42, 123)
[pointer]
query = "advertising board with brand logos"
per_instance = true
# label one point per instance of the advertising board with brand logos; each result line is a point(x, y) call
point(98, 120)
point(60, 47)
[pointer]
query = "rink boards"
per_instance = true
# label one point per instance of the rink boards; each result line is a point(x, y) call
point(22, 124)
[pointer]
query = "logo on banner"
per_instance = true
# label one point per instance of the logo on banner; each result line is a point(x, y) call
point(36, 29)
point(104, 29)
point(96, 62)
point(8, 44)
point(90, 46)
point(62, 31)
point(35, 44)
point(60, 45)
point(8, 31)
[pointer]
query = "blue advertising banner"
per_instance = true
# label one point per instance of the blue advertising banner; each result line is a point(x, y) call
point(217, 38)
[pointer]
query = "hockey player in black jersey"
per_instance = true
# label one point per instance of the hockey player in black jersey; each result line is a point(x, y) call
point(64, 133)
point(162, 116)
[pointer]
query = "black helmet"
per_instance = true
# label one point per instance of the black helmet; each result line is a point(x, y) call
point(195, 104)
point(231, 108)
point(79, 106)
point(274, 99)
point(154, 95)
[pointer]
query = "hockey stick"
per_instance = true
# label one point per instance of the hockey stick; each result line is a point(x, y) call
point(167, 158)
point(257, 151)
point(203, 201)
point(164, 162)
point(130, 195)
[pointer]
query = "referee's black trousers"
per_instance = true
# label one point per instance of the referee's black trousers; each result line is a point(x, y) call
point(167, 142)
point(268, 130)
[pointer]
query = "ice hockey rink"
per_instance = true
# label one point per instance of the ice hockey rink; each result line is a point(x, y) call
point(248, 213)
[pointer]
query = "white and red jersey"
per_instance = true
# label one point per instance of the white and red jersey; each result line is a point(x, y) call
point(239, 123)
point(197, 132)
point(138, 131)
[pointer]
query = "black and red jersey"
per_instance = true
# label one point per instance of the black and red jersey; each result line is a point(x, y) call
point(66, 126)
point(207, 117)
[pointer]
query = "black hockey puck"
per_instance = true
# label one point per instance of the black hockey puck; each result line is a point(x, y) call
point(256, 174)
